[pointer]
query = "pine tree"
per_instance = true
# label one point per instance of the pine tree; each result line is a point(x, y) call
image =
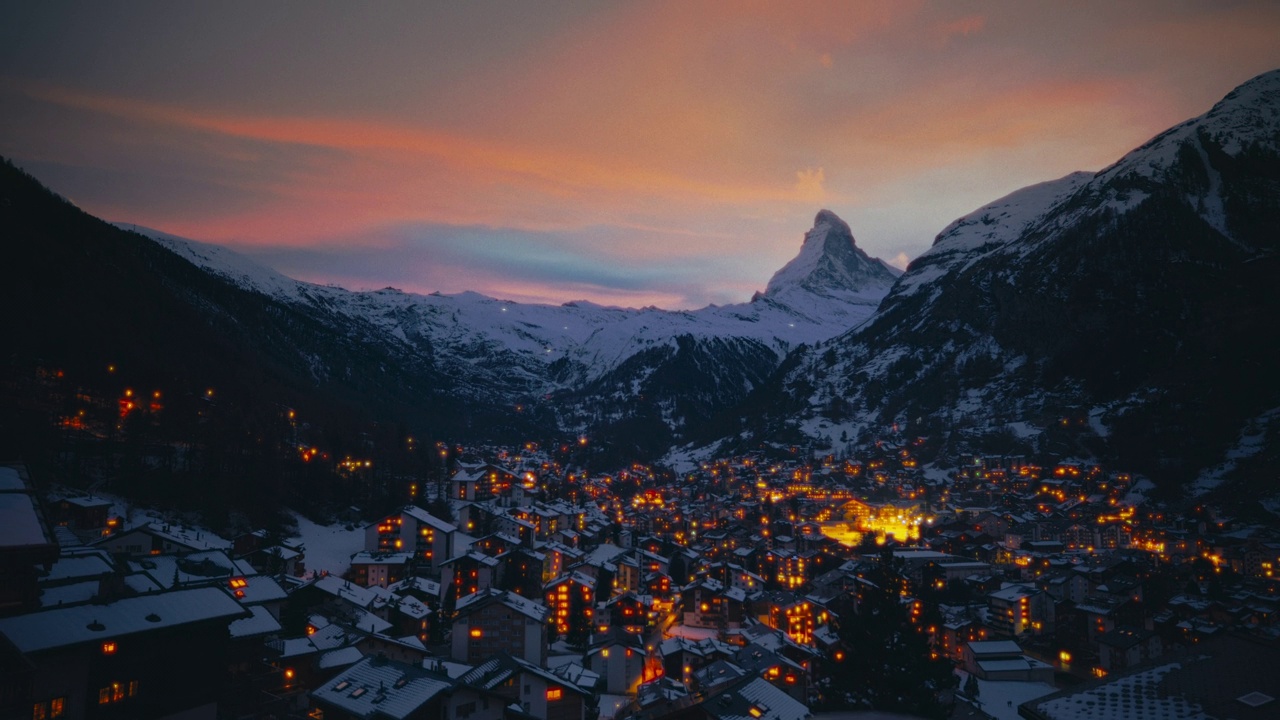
point(888, 665)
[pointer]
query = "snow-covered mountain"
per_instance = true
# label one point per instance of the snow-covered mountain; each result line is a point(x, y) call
point(1129, 312)
point(596, 365)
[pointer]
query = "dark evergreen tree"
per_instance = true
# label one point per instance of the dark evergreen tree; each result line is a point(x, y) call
point(889, 665)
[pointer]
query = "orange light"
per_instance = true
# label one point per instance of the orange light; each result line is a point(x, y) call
point(476, 632)
point(109, 647)
point(554, 693)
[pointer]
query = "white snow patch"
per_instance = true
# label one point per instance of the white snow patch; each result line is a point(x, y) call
point(328, 547)
point(1252, 440)
point(1024, 430)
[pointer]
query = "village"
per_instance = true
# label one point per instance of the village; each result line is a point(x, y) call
point(748, 587)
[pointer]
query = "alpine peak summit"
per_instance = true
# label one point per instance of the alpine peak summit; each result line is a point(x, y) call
point(831, 263)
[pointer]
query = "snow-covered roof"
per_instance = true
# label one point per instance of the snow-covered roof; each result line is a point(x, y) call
point(261, 622)
point(995, 647)
point(427, 518)
point(382, 687)
point(80, 566)
point(61, 627)
point(524, 606)
point(261, 589)
point(757, 699)
point(347, 591)
point(69, 594)
point(10, 480)
point(20, 525)
point(339, 658)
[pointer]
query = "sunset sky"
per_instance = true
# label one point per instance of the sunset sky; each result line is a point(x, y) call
point(631, 153)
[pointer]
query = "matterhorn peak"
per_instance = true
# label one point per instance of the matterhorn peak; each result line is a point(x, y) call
point(826, 217)
point(830, 261)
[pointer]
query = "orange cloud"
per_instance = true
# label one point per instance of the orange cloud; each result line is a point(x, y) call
point(964, 26)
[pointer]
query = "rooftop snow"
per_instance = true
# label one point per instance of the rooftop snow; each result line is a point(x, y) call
point(19, 524)
point(91, 623)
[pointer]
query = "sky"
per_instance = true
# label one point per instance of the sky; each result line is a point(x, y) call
point(630, 153)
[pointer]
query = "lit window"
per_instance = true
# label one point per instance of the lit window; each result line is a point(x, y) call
point(554, 693)
point(755, 711)
point(109, 647)
point(104, 696)
point(476, 632)
point(39, 711)
point(133, 688)
point(57, 706)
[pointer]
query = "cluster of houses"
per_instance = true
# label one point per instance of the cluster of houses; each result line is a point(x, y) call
point(715, 596)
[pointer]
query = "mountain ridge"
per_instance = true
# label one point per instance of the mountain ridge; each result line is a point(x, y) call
point(592, 362)
point(1131, 306)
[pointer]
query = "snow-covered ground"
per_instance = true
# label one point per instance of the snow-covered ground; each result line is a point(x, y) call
point(1252, 440)
point(692, 633)
point(328, 547)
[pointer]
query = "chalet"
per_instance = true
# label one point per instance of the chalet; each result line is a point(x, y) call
point(494, 621)
point(84, 514)
point(278, 559)
point(416, 531)
point(628, 612)
point(706, 605)
point(160, 538)
point(558, 557)
point(619, 658)
point(379, 569)
point(470, 573)
point(539, 693)
point(569, 596)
